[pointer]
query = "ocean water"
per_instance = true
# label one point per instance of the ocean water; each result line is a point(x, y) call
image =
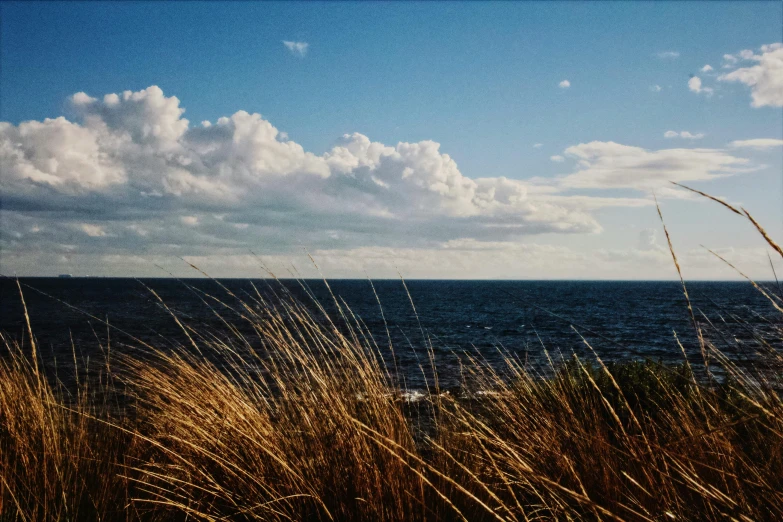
point(621, 320)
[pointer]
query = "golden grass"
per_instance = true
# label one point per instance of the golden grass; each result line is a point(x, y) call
point(309, 424)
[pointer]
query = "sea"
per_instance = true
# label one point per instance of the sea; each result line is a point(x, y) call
point(533, 321)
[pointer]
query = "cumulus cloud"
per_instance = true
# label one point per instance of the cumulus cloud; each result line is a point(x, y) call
point(613, 165)
point(765, 78)
point(557, 158)
point(668, 55)
point(133, 163)
point(297, 48)
point(655, 88)
point(57, 154)
point(758, 143)
point(565, 84)
point(683, 134)
point(706, 68)
point(538, 145)
point(694, 85)
point(130, 174)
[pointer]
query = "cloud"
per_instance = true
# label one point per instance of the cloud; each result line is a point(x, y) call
point(565, 84)
point(706, 68)
point(131, 165)
point(694, 85)
point(454, 259)
point(557, 159)
point(648, 241)
point(92, 230)
point(683, 134)
point(538, 145)
point(765, 78)
point(129, 176)
point(57, 154)
point(758, 144)
point(668, 55)
point(297, 48)
point(613, 165)
point(655, 88)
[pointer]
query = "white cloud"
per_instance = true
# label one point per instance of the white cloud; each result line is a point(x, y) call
point(612, 165)
point(694, 85)
point(58, 154)
point(683, 134)
point(455, 259)
point(557, 159)
point(297, 48)
point(768, 48)
point(138, 229)
point(765, 79)
point(92, 230)
point(133, 164)
point(133, 161)
point(706, 68)
point(758, 144)
point(565, 84)
point(668, 55)
point(146, 117)
point(655, 88)
point(538, 145)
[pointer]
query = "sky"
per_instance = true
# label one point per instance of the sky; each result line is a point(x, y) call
point(510, 140)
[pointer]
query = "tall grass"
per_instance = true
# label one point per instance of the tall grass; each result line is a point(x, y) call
point(307, 421)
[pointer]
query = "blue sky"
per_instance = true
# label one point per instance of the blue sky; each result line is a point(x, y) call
point(481, 79)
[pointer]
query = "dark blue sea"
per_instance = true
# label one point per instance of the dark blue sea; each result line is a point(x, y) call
point(621, 320)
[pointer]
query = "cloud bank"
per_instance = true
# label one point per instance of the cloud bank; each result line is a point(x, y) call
point(131, 173)
point(130, 176)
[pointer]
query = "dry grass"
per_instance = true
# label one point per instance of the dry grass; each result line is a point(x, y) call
point(308, 423)
point(59, 459)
